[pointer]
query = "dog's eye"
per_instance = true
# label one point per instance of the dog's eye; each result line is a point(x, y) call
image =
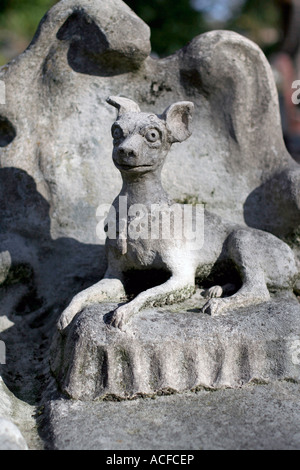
point(117, 133)
point(152, 135)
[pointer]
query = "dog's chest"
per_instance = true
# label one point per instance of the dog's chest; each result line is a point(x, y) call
point(141, 253)
point(135, 243)
point(135, 253)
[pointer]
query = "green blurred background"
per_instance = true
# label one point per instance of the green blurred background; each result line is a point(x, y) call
point(173, 22)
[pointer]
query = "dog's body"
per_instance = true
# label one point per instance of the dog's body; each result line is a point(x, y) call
point(141, 143)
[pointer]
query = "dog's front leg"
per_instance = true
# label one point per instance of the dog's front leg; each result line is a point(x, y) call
point(174, 290)
point(108, 289)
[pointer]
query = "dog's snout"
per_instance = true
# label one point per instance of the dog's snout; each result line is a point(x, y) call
point(125, 151)
point(130, 147)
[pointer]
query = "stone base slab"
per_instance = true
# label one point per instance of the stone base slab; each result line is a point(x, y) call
point(257, 417)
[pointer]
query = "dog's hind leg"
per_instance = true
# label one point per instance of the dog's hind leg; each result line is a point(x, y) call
point(247, 249)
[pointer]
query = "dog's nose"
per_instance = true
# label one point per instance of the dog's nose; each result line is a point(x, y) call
point(130, 147)
point(127, 152)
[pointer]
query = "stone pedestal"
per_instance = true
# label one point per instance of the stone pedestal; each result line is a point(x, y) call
point(175, 349)
point(256, 417)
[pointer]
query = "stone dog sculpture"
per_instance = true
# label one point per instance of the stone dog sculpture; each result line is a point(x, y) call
point(141, 143)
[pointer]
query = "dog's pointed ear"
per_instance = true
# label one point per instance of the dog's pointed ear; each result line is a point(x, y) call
point(123, 105)
point(178, 117)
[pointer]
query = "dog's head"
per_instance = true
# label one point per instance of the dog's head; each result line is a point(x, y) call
point(142, 140)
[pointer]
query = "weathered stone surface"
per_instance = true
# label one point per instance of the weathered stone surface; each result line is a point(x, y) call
point(55, 152)
point(55, 148)
point(17, 423)
point(141, 144)
point(177, 350)
point(10, 436)
point(255, 418)
point(21, 371)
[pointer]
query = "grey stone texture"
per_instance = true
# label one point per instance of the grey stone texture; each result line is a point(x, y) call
point(56, 168)
point(141, 144)
point(19, 372)
point(55, 153)
point(264, 417)
point(164, 350)
point(10, 436)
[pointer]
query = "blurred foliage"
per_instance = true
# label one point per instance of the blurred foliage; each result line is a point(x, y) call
point(261, 24)
point(173, 23)
point(23, 16)
point(19, 20)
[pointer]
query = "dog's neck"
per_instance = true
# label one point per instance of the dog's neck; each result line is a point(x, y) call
point(144, 188)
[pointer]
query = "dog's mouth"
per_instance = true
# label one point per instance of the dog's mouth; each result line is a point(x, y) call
point(125, 167)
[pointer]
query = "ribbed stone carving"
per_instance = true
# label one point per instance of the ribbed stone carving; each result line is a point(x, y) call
point(172, 351)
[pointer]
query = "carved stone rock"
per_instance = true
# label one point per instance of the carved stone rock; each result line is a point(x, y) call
point(55, 123)
point(255, 417)
point(165, 351)
point(10, 436)
point(261, 261)
point(56, 168)
point(55, 145)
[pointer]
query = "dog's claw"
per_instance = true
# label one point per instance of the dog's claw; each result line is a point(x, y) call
point(214, 307)
point(121, 316)
point(214, 292)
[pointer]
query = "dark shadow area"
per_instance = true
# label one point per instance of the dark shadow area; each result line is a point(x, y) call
point(7, 132)
point(293, 146)
point(43, 277)
point(90, 52)
point(274, 206)
point(223, 272)
point(191, 81)
point(140, 280)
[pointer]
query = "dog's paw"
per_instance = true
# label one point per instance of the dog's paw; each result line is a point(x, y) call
point(121, 316)
point(215, 307)
point(68, 314)
point(64, 320)
point(213, 292)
